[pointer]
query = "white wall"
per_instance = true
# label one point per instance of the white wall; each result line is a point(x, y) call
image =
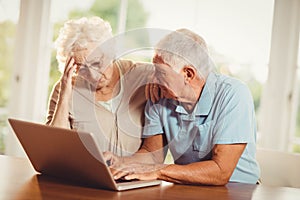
point(279, 168)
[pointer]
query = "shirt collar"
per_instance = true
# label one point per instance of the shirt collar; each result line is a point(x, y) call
point(206, 98)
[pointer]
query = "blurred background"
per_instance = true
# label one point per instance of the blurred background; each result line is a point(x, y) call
point(256, 41)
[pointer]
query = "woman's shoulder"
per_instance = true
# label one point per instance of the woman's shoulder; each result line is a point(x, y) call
point(129, 65)
point(124, 65)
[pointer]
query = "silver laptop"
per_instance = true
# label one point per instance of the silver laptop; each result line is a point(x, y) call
point(69, 155)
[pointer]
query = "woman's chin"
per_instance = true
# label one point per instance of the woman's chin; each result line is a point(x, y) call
point(100, 85)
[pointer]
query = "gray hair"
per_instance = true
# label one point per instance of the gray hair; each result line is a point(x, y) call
point(184, 47)
point(78, 34)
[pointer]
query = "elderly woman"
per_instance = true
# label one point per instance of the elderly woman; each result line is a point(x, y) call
point(107, 100)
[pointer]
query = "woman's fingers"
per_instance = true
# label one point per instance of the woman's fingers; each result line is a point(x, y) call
point(67, 78)
point(111, 159)
point(71, 71)
point(67, 64)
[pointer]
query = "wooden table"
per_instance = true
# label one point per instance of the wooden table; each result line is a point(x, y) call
point(18, 180)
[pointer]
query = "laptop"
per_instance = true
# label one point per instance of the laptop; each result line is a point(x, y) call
point(69, 155)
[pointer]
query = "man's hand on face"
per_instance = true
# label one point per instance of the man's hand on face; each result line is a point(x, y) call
point(170, 82)
point(154, 92)
point(164, 83)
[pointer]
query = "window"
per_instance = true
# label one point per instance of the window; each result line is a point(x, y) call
point(279, 100)
point(107, 9)
point(9, 13)
point(238, 39)
point(296, 137)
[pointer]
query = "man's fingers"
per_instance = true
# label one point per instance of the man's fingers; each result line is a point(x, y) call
point(119, 173)
point(140, 176)
point(132, 176)
point(135, 171)
point(147, 91)
point(124, 170)
point(152, 98)
point(154, 92)
point(162, 92)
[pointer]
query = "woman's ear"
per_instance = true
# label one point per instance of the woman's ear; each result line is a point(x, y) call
point(189, 73)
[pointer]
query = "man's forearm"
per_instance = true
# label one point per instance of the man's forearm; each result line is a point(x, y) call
point(206, 172)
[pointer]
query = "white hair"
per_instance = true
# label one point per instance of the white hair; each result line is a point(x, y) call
point(78, 34)
point(184, 47)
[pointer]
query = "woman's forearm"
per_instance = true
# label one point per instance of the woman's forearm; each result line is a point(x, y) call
point(151, 151)
point(141, 156)
point(61, 114)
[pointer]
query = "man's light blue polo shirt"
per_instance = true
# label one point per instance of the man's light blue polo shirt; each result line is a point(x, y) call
point(224, 114)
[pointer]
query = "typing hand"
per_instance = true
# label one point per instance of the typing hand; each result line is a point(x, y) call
point(138, 171)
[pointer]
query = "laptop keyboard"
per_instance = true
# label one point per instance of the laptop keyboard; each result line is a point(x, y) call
point(122, 180)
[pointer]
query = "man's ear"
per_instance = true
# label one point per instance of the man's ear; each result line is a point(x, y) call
point(189, 72)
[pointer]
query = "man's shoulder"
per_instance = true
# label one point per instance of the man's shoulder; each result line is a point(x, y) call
point(229, 89)
point(233, 90)
point(163, 104)
point(230, 83)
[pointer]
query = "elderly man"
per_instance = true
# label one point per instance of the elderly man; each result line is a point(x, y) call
point(206, 120)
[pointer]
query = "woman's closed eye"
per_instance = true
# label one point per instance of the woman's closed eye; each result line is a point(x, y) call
point(94, 66)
